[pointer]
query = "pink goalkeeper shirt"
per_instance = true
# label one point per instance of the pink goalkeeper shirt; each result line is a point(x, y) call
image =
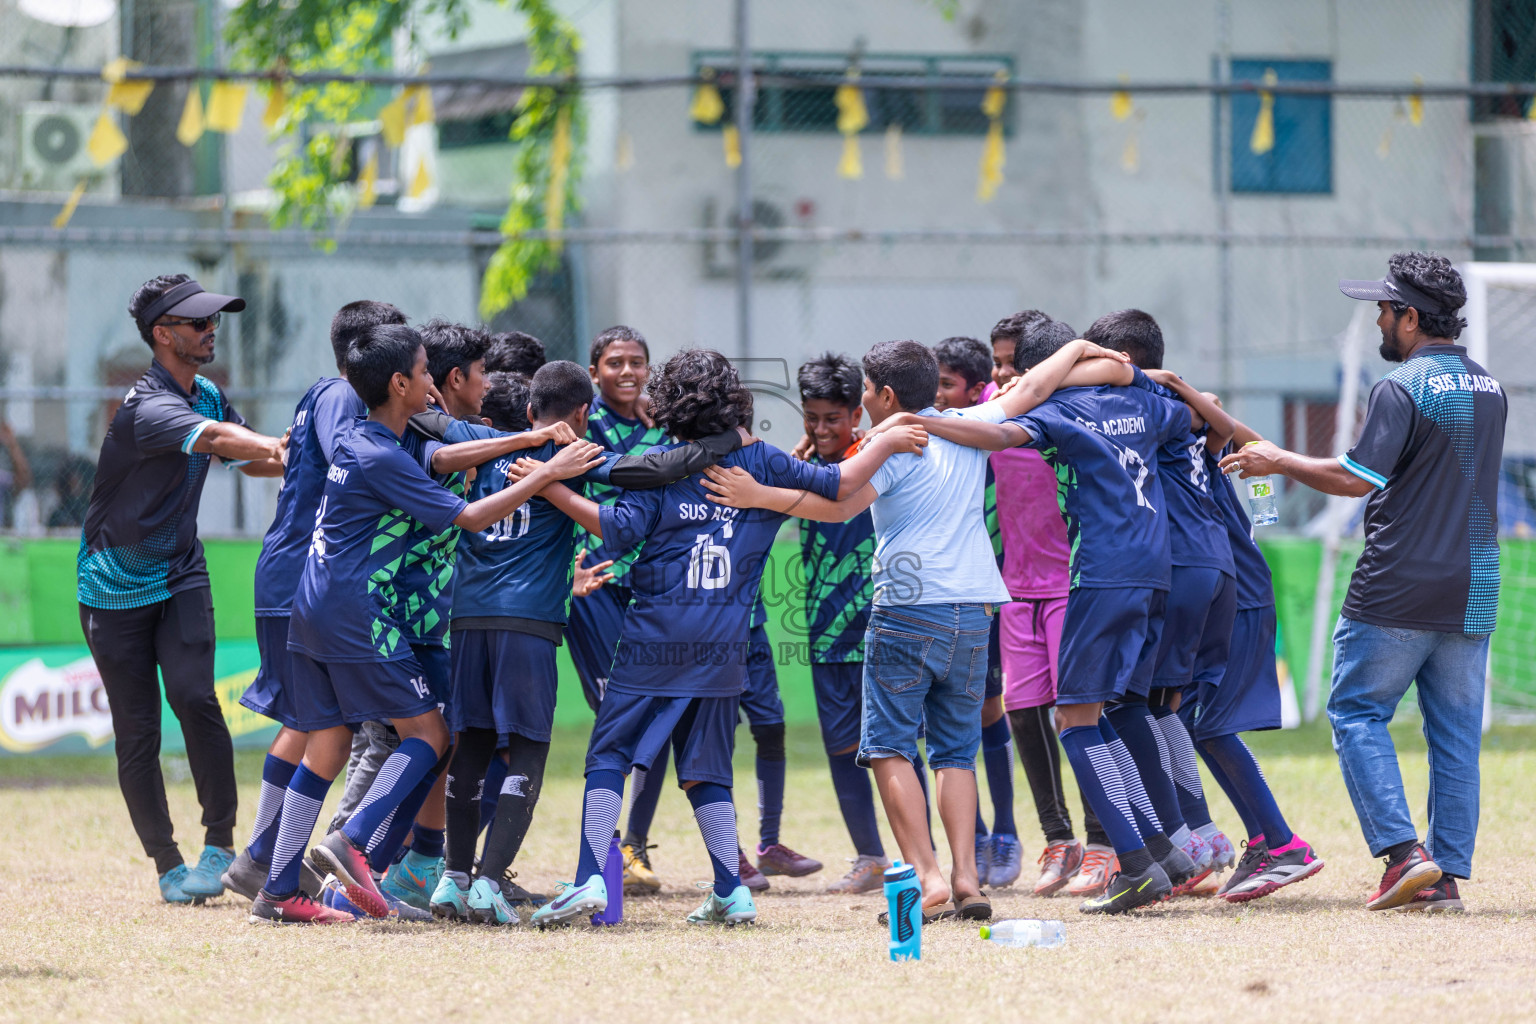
point(1035, 553)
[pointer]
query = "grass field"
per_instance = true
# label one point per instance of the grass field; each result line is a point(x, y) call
point(85, 937)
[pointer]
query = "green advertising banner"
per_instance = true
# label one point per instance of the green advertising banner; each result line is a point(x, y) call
point(51, 698)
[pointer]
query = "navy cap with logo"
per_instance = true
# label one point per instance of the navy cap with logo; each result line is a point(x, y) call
point(1393, 288)
point(189, 300)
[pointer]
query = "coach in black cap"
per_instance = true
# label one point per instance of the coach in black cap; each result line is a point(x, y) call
point(145, 604)
point(1424, 596)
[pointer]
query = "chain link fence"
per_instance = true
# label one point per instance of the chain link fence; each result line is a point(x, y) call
point(1227, 206)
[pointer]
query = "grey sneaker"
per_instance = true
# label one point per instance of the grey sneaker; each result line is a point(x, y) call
point(866, 875)
point(245, 877)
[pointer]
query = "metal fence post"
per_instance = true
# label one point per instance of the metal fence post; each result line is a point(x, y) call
point(746, 96)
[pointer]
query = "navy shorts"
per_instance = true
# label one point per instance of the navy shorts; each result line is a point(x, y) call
point(1109, 642)
point(839, 690)
point(995, 660)
point(631, 729)
point(1215, 642)
point(271, 692)
point(1191, 600)
point(504, 680)
point(760, 702)
point(593, 636)
point(1246, 696)
point(328, 694)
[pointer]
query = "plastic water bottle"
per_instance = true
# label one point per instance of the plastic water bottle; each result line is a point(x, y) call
point(1261, 500)
point(613, 878)
point(1025, 933)
point(904, 902)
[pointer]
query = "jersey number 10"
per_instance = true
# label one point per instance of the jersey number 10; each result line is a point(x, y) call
point(709, 564)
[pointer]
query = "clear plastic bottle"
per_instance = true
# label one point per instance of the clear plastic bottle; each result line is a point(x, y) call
point(1261, 500)
point(1025, 932)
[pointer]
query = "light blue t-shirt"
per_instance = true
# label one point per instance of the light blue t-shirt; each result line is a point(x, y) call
point(931, 543)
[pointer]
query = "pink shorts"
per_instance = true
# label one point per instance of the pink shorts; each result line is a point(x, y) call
point(1030, 637)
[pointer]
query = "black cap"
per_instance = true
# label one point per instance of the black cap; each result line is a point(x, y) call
point(189, 300)
point(1394, 289)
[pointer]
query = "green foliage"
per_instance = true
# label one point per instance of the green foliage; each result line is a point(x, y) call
point(350, 36)
point(553, 46)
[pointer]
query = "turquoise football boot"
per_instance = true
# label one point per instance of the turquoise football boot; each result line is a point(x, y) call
point(171, 885)
point(737, 908)
point(206, 881)
point(488, 906)
point(413, 879)
point(573, 901)
point(449, 902)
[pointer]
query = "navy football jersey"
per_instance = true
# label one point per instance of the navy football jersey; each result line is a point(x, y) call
point(352, 603)
point(1103, 443)
point(1196, 534)
point(1255, 588)
point(323, 416)
point(622, 436)
point(696, 579)
point(520, 568)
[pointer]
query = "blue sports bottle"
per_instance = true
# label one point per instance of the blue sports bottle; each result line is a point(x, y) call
point(904, 898)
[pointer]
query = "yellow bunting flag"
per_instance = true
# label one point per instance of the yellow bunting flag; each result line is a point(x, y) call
point(68, 210)
point(422, 181)
point(731, 139)
point(707, 106)
point(894, 170)
point(129, 97)
point(392, 117)
point(852, 115)
point(1416, 103)
point(277, 103)
point(559, 166)
point(421, 106)
point(993, 157)
point(851, 164)
point(226, 106)
point(1120, 103)
point(107, 141)
point(368, 181)
point(190, 128)
point(1263, 138)
point(992, 161)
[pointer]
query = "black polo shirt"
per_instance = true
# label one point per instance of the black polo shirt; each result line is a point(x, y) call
point(140, 545)
point(1431, 445)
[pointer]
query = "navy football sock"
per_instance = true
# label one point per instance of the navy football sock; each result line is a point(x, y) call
point(642, 804)
point(1142, 813)
point(427, 842)
point(856, 799)
point(399, 775)
point(1098, 776)
point(1247, 781)
point(1250, 823)
point(1132, 722)
point(600, 809)
point(716, 815)
point(981, 824)
point(275, 776)
point(771, 767)
point(495, 775)
point(997, 757)
point(1186, 769)
point(301, 809)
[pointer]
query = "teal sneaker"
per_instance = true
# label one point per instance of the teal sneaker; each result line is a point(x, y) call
point(737, 908)
point(206, 881)
point(449, 901)
point(413, 879)
point(488, 906)
point(171, 886)
point(573, 901)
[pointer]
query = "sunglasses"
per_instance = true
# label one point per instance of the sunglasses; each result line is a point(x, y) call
point(201, 323)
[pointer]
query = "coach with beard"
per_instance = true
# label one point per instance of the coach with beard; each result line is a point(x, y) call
point(145, 602)
point(1424, 596)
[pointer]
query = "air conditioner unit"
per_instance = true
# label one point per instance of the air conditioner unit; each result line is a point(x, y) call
point(772, 258)
point(51, 146)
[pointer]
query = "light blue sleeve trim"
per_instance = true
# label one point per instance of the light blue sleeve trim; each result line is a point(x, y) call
point(237, 464)
point(1370, 476)
point(197, 432)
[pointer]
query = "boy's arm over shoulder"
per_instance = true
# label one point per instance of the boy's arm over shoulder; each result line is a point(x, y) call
point(631, 518)
point(661, 466)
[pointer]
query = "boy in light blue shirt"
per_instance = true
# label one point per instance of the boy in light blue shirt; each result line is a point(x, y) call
point(936, 585)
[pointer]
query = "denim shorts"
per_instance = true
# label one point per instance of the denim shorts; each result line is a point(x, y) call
point(925, 664)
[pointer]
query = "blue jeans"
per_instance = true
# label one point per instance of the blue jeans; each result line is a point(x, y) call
point(1372, 667)
point(925, 663)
